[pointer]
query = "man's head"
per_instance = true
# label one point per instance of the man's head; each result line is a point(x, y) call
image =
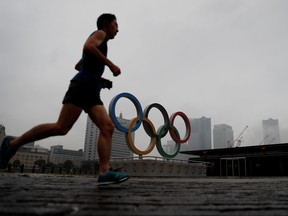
point(105, 19)
point(108, 23)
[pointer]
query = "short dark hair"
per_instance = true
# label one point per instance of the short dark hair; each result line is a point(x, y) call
point(104, 19)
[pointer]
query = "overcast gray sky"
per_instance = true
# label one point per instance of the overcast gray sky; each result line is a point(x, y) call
point(223, 59)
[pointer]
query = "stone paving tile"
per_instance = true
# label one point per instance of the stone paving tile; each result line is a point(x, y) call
point(31, 194)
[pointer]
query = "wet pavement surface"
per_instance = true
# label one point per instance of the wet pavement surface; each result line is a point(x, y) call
point(36, 194)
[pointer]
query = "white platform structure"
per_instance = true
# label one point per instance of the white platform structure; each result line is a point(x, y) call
point(148, 166)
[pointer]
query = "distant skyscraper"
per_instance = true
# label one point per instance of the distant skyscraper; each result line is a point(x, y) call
point(222, 136)
point(271, 134)
point(169, 148)
point(200, 137)
point(119, 145)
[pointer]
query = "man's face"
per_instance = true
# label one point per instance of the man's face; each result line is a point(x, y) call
point(112, 29)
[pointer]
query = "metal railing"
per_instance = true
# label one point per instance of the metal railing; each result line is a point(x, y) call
point(49, 170)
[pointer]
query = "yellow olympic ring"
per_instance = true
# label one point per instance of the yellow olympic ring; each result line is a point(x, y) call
point(130, 140)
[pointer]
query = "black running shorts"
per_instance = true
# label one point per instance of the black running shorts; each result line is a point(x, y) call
point(81, 96)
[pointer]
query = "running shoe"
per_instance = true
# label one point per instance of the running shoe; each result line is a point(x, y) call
point(112, 177)
point(6, 152)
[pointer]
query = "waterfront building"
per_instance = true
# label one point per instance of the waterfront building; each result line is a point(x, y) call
point(29, 154)
point(58, 155)
point(2, 132)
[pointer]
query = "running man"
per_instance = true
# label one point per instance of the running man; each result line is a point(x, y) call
point(83, 94)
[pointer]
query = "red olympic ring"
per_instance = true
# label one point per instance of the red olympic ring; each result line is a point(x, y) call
point(187, 124)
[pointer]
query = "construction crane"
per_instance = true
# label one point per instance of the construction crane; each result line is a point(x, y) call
point(238, 140)
point(266, 141)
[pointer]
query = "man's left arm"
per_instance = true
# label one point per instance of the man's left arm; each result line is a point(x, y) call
point(78, 65)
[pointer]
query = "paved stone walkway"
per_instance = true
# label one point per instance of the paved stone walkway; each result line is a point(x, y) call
point(32, 194)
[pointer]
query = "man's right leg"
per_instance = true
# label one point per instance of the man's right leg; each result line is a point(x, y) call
point(68, 116)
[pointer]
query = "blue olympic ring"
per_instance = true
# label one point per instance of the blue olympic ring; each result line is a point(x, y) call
point(136, 103)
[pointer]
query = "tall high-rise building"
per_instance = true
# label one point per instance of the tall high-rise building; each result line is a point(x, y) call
point(119, 144)
point(200, 137)
point(223, 136)
point(271, 133)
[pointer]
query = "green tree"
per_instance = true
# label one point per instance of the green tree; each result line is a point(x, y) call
point(68, 165)
point(86, 165)
point(16, 163)
point(49, 164)
point(90, 165)
point(40, 163)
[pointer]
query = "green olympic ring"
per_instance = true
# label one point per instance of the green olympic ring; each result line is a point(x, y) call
point(149, 127)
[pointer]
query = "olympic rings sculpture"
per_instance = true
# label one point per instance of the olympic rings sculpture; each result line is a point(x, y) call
point(156, 136)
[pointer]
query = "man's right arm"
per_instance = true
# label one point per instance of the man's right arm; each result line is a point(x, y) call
point(91, 45)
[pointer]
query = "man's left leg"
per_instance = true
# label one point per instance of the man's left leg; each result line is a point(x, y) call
point(100, 117)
